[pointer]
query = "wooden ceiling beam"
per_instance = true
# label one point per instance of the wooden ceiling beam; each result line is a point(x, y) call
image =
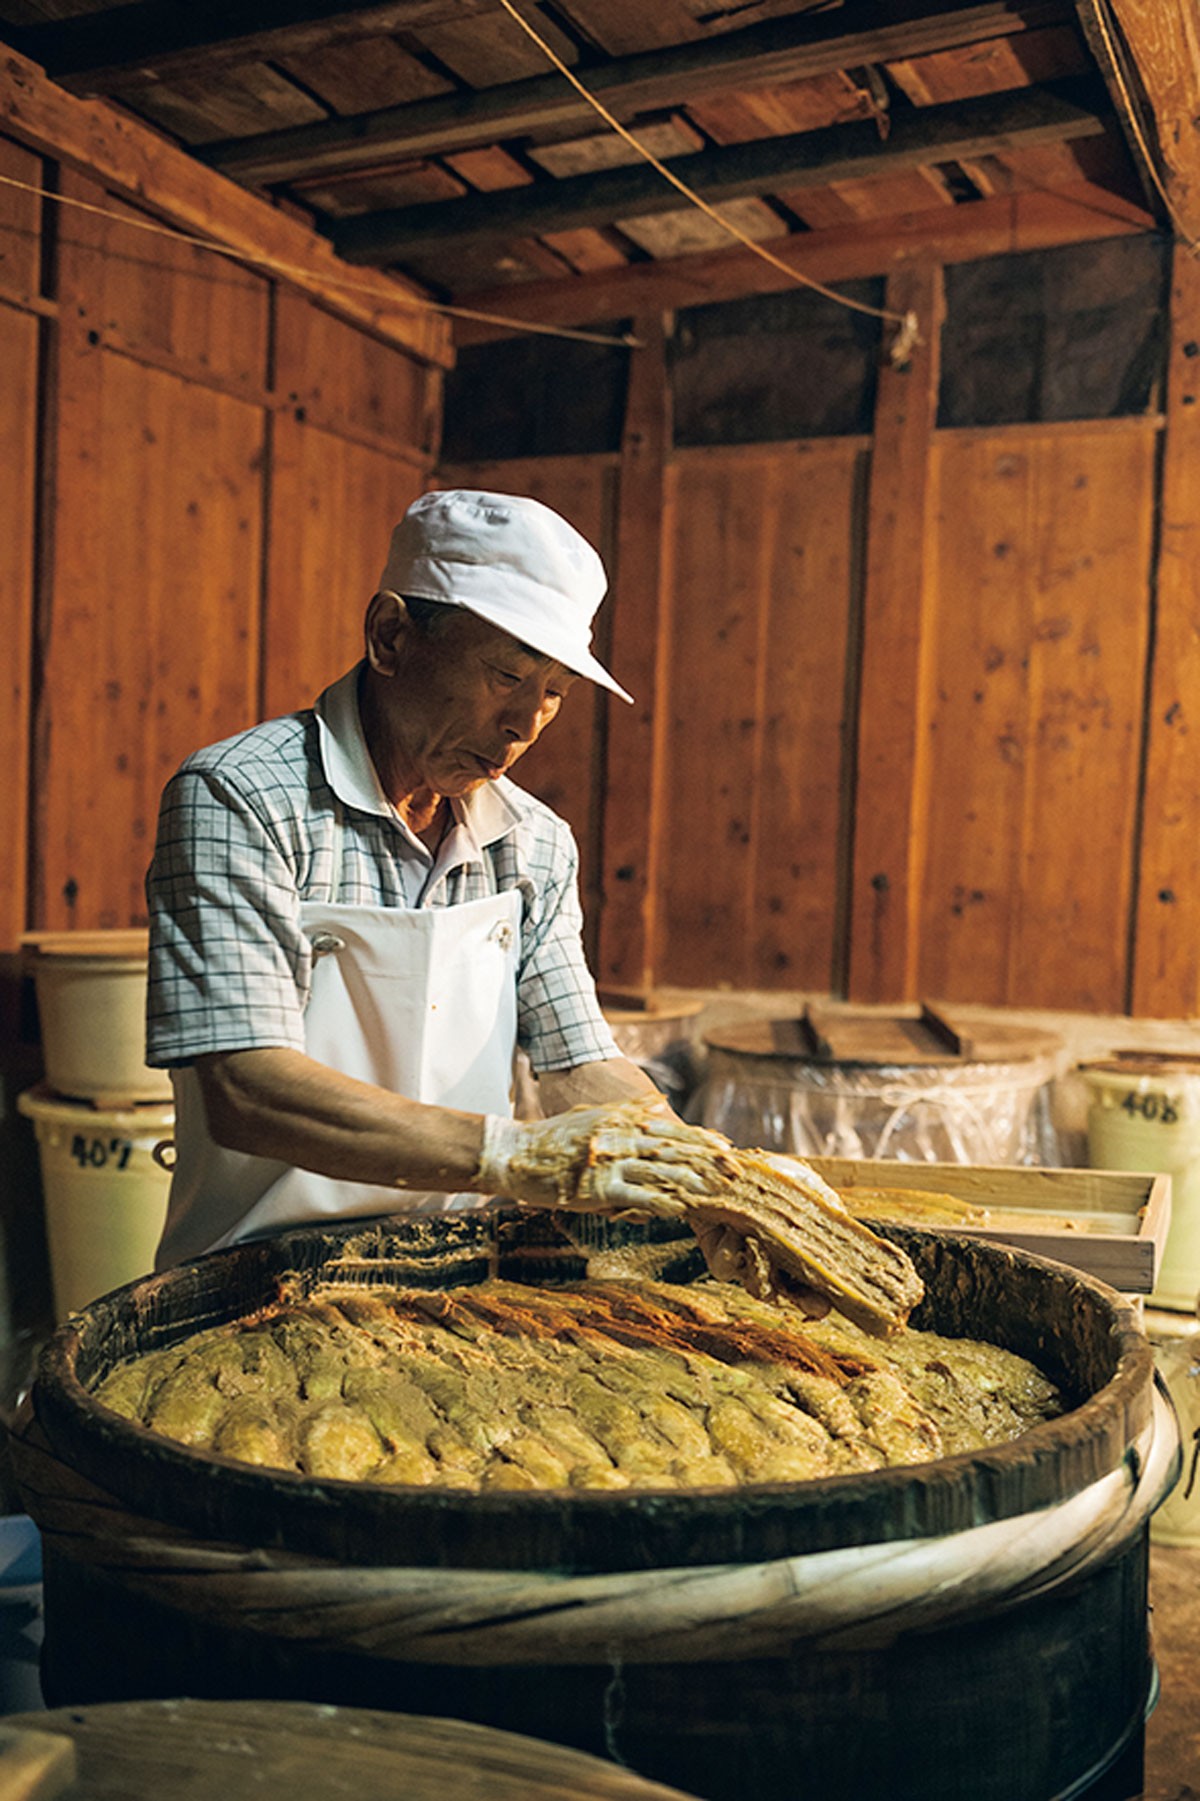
point(1055, 113)
point(765, 55)
point(147, 42)
point(1150, 57)
point(1032, 220)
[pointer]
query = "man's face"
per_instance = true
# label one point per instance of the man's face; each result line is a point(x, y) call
point(465, 702)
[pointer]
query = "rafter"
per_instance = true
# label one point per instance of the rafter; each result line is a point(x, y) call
point(1150, 56)
point(770, 54)
point(1055, 113)
point(1005, 224)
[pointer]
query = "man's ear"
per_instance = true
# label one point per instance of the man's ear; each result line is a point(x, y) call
point(387, 625)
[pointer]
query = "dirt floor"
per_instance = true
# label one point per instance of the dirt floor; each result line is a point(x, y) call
point(1173, 1730)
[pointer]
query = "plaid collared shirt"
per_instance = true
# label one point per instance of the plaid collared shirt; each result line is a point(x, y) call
point(251, 827)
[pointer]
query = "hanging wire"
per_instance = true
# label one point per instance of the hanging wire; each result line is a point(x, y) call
point(295, 271)
point(908, 335)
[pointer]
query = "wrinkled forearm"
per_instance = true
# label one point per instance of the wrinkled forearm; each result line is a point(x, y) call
point(281, 1104)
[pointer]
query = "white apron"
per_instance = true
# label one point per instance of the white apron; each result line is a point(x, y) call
point(422, 1002)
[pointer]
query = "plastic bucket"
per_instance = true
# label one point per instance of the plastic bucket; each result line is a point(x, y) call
point(91, 998)
point(105, 1194)
point(1145, 1115)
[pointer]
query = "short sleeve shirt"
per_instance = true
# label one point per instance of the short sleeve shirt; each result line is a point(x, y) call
point(292, 810)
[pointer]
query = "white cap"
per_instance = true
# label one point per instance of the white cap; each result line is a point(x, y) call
point(509, 560)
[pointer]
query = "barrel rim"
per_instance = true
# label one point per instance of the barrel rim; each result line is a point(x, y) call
point(582, 1532)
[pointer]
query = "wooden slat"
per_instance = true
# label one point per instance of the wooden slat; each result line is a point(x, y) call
point(1166, 948)
point(491, 47)
point(333, 506)
point(882, 197)
point(1026, 221)
point(624, 26)
point(890, 790)
point(635, 797)
point(720, 564)
point(350, 79)
point(342, 196)
point(248, 97)
point(732, 118)
point(686, 230)
point(588, 250)
point(990, 68)
point(1055, 113)
point(606, 149)
point(138, 164)
point(489, 168)
point(802, 820)
point(761, 56)
point(1035, 711)
point(1102, 161)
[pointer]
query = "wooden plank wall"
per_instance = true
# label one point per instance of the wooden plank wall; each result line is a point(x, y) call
point(191, 524)
point(1042, 573)
point(927, 709)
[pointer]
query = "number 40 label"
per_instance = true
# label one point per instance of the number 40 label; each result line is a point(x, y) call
point(98, 1153)
point(1161, 1108)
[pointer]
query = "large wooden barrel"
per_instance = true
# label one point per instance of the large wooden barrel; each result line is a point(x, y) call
point(875, 1631)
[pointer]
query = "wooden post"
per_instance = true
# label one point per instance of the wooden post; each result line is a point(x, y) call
point(890, 803)
point(1166, 940)
point(633, 802)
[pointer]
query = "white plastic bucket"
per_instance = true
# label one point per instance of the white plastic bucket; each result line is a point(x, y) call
point(91, 998)
point(1145, 1115)
point(105, 1194)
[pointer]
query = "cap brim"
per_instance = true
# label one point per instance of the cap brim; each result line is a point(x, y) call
point(540, 636)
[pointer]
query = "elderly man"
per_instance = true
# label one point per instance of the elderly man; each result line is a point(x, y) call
point(356, 915)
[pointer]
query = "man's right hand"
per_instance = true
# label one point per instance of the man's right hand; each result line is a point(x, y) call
point(630, 1164)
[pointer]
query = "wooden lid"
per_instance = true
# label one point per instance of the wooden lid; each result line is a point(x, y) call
point(1144, 1063)
point(909, 1036)
point(133, 941)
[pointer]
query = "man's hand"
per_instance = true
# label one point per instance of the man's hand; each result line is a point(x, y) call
point(637, 1166)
